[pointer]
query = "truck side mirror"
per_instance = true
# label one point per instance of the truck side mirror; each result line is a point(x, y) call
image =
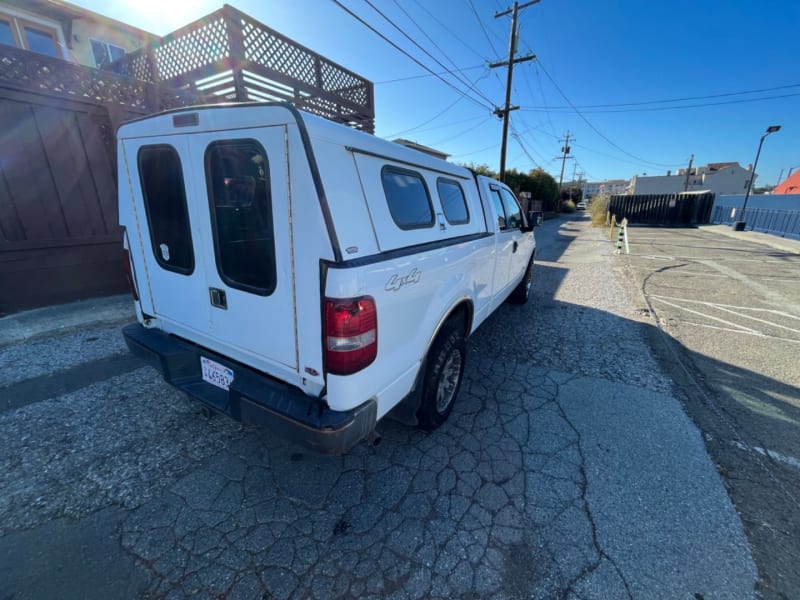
point(535, 218)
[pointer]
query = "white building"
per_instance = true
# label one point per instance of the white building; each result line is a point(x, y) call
point(608, 187)
point(720, 178)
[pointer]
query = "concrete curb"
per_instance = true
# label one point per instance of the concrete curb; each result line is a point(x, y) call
point(64, 318)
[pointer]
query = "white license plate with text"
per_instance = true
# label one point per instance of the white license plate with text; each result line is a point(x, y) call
point(216, 374)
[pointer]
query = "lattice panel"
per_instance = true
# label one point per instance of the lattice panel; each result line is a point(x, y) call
point(193, 50)
point(344, 84)
point(264, 48)
point(40, 73)
point(135, 66)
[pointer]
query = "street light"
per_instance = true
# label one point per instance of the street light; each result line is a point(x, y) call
point(740, 224)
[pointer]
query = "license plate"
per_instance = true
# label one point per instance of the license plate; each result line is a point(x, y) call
point(216, 374)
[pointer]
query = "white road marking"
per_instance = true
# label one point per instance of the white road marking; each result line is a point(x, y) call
point(705, 316)
point(757, 333)
point(787, 460)
point(714, 304)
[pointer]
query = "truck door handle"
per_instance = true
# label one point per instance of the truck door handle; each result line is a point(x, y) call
point(515, 246)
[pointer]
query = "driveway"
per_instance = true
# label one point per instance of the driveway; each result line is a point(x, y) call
point(567, 469)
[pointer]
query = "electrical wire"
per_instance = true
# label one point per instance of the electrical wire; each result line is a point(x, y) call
point(469, 129)
point(485, 32)
point(684, 99)
point(423, 76)
point(435, 127)
point(398, 48)
point(593, 128)
point(662, 108)
point(449, 30)
point(470, 86)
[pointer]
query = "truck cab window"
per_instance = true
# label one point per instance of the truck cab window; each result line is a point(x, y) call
point(499, 210)
point(165, 203)
point(237, 175)
point(513, 211)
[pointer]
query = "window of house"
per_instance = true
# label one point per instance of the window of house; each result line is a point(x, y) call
point(41, 39)
point(240, 199)
point(453, 202)
point(408, 198)
point(7, 36)
point(105, 53)
point(35, 37)
point(165, 204)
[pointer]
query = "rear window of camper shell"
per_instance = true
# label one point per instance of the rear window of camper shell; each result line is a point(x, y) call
point(164, 197)
point(240, 202)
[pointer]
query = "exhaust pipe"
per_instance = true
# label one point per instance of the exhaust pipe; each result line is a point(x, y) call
point(373, 438)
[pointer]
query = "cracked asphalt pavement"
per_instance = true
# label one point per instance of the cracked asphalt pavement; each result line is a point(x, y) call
point(567, 469)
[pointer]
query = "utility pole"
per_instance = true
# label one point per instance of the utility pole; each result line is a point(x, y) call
point(688, 172)
point(512, 50)
point(565, 149)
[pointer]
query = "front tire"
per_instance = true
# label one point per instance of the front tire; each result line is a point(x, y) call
point(522, 292)
point(444, 372)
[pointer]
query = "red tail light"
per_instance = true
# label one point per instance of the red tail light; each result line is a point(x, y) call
point(351, 334)
point(129, 272)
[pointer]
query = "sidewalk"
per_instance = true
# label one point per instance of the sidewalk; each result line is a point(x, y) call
point(63, 318)
point(766, 239)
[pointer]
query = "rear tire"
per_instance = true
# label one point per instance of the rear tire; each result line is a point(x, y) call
point(444, 372)
point(522, 292)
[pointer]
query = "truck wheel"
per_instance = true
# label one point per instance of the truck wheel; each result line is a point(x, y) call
point(443, 375)
point(522, 292)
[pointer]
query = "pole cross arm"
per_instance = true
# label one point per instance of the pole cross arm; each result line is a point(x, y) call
point(510, 10)
point(504, 63)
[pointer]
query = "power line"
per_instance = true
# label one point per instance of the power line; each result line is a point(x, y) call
point(430, 39)
point(662, 108)
point(398, 48)
point(481, 66)
point(593, 128)
point(436, 127)
point(684, 99)
point(469, 129)
point(470, 86)
point(485, 32)
point(449, 30)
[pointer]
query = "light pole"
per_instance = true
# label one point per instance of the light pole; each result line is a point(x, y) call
point(740, 224)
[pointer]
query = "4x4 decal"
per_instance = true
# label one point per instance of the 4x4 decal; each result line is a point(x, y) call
point(396, 282)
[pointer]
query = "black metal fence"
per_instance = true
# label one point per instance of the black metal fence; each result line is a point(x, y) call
point(672, 210)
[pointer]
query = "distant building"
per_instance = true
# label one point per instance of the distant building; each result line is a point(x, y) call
point(63, 30)
point(609, 187)
point(720, 178)
point(421, 148)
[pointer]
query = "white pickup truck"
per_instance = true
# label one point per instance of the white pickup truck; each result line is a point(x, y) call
point(298, 274)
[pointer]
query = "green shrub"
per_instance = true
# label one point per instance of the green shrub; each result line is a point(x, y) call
point(568, 206)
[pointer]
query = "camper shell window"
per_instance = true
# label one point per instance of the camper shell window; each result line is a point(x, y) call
point(453, 202)
point(408, 198)
point(164, 196)
point(240, 201)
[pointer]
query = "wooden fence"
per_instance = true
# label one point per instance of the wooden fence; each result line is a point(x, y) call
point(59, 238)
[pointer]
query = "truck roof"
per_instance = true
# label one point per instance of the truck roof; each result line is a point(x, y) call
point(216, 117)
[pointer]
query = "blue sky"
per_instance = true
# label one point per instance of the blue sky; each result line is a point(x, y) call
point(630, 55)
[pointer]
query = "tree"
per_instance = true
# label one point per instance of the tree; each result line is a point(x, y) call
point(543, 187)
point(482, 169)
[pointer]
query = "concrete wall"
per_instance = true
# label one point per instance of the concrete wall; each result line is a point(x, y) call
point(776, 214)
